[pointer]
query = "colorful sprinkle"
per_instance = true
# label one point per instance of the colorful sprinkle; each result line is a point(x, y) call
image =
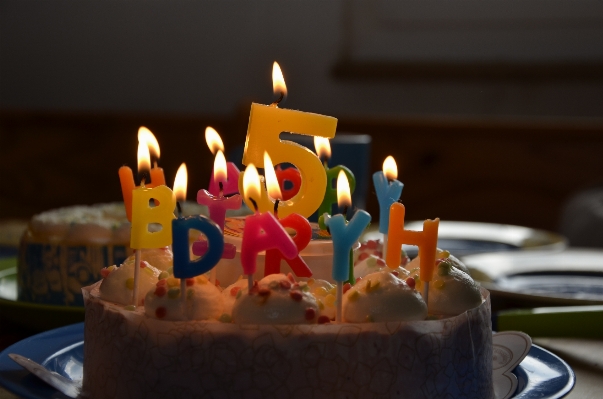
point(371, 262)
point(201, 279)
point(321, 305)
point(395, 273)
point(290, 277)
point(411, 282)
point(353, 296)
point(173, 292)
point(143, 264)
point(330, 300)
point(190, 282)
point(372, 244)
point(130, 308)
point(285, 284)
point(160, 312)
point(160, 291)
point(105, 272)
point(264, 292)
point(296, 295)
point(130, 283)
point(320, 291)
point(225, 318)
point(163, 275)
point(363, 256)
point(173, 282)
point(380, 262)
point(310, 314)
point(161, 283)
point(148, 271)
point(346, 287)
point(323, 319)
point(234, 291)
point(239, 293)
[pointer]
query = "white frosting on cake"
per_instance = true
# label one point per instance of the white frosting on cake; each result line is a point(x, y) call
point(372, 263)
point(381, 297)
point(275, 299)
point(203, 301)
point(118, 285)
point(160, 258)
point(325, 294)
point(229, 295)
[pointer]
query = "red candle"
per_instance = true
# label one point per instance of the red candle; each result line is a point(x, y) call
point(303, 235)
point(292, 177)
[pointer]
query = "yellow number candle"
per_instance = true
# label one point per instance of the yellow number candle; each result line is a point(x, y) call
point(426, 240)
point(266, 123)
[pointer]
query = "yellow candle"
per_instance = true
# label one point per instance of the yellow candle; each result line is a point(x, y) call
point(143, 215)
point(426, 240)
point(266, 123)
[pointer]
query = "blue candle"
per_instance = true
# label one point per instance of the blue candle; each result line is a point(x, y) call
point(183, 266)
point(388, 191)
point(344, 236)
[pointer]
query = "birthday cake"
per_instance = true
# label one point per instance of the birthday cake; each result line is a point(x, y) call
point(279, 339)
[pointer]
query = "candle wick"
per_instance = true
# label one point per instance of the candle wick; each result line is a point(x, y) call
point(276, 207)
point(325, 162)
point(142, 181)
point(221, 189)
point(278, 100)
point(345, 212)
point(179, 209)
point(255, 205)
point(155, 164)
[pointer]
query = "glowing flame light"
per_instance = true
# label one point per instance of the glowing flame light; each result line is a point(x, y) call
point(274, 191)
point(251, 183)
point(390, 169)
point(323, 147)
point(220, 173)
point(278, 81)
point(213, 140)
point(144, 157)
point(145, 136)
point(180, 183)
point(343, 190)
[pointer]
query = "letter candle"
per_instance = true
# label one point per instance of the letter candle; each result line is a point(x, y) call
point(266, 123)
point(184, 268)
point(426, 240)
point(323, 150)
point(230, 178)
point(388, 191)
point(344, 236)
point(144, 215)
point(262, 231)
point(289, 175)
point(218, 205)
point(294, 221)
point(126, 177)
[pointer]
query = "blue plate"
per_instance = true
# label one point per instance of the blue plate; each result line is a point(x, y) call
point(541, 374)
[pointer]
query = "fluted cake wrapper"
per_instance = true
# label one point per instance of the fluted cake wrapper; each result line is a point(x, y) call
point(129, 355)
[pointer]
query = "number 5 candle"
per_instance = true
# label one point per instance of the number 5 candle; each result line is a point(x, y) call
point(266, 123)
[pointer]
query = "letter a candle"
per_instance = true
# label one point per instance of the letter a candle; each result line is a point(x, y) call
point(143, 215)
point(266, 123)
point(426, 240)
point(262, 231)
point(344, 236)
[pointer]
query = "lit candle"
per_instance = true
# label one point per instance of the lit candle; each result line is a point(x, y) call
point(183, 266)
point(262, 231)
point(218, 205)
point(294, 221)
point(126, 177)
point(289, 181)
point(230, 182)
point(388, 191)
point(426, 240)
point(323, 150)
point(143, 216)
point(344, 236)
point(266, 123)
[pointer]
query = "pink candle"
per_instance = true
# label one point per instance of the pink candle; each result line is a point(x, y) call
point(230, 183)
point(262, 231)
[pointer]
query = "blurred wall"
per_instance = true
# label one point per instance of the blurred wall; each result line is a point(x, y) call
point(211, 57)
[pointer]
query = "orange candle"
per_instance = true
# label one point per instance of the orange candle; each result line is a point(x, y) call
point(426, 240)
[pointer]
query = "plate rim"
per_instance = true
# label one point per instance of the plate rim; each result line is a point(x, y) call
point(78, 329)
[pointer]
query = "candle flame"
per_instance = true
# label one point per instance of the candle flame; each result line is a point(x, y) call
point(323, 147)
point(147, 137)
point(343, 190)
point(220, 173)
point(213, 140)
point(180, 183)
point(274, 191)
point(144, 157)
point(278, 81)
point(251, 183)
point(390, 169)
